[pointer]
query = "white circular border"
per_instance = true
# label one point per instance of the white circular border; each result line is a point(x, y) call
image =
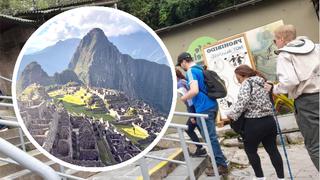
point(106, 168)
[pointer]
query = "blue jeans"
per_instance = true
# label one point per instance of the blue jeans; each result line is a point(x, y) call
point(211, 126)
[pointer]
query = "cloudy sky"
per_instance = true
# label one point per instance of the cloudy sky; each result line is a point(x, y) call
point(76, 23)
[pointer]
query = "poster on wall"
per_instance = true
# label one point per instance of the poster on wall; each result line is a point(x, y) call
point(223, 57)
point(261, 44)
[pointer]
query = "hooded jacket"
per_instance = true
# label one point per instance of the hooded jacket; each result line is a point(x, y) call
point(253, 99)
point(298, 66)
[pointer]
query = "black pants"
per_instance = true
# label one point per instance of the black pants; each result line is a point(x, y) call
point(262, 130)
point(191, 133)
point(191, 127)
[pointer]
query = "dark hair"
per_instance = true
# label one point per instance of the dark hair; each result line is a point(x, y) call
point(246, 71)
point(184, 56)
point(205, 67)
point(179, 74)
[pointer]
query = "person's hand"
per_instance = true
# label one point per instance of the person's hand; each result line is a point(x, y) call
point(229, 118)
point(268, 86)
point(183, 99)
point(193, 121)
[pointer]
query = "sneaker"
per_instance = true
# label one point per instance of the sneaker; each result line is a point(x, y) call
point(200, 152)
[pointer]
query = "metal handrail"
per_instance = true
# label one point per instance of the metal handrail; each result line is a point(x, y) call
point(181, 128)
point(27, 161)
point(6, 104)
point(9, 123)
point(7, 79)
point(206, 136)
point(178, 140)
point(190, 114)
point(5, 97)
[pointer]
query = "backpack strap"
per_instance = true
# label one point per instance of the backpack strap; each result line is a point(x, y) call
point(198, 67)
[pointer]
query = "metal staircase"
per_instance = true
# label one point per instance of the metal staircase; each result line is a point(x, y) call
point(20, 160)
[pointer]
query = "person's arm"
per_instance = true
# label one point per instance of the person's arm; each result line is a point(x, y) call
point(241, 104)
point(286, 74)
point(193, 91)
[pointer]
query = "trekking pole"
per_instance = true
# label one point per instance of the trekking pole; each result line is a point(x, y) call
point(280, 133)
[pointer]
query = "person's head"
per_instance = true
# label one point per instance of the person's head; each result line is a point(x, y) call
point(284, 34)
point(244, 71)
point(179, 74)
point(184, 59)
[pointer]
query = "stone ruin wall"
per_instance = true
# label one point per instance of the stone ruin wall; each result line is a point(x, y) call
point(52, 132)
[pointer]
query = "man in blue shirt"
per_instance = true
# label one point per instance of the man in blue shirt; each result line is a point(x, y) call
point(203, 105)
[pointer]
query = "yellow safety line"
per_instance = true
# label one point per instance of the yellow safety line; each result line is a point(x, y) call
point(162, 163)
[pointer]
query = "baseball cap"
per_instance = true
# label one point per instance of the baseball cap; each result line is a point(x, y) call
point(182, 56)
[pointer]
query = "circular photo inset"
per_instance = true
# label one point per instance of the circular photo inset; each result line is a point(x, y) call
point(93, 88)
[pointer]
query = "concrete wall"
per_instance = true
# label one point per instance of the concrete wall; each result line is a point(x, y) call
point(300, 13)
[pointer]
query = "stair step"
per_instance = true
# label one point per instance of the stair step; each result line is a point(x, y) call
point(16, 140)
point(199, 164)
point(26, 174)
point(29, 147)
point(82, 174)
point(11, 132)
point(9, 168)
point(157, 168)
point(205, 177)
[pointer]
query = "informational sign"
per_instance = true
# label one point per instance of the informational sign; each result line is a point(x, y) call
point(223, 57)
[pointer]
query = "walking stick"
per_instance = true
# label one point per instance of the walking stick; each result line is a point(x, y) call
point(280, 133)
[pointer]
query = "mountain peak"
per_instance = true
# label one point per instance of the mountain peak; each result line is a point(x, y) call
point(95, 35)
point(96, 32)
point(33, 73)
point(33, 64)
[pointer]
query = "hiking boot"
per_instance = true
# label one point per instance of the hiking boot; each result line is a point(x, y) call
point(200, 152)
point(223, 170)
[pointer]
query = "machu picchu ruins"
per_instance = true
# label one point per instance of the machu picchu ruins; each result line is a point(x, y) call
point(92, 127)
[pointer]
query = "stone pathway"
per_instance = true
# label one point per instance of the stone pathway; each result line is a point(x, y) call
point(301, 165)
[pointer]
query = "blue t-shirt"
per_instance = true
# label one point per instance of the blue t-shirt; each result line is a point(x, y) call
point(201, 101)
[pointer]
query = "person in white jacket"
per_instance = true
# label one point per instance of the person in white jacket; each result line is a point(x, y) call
point(298, 64)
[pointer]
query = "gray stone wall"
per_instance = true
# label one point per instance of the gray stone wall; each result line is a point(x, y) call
point(52, 132)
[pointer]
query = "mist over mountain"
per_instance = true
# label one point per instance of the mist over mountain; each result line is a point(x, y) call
point(99, 63)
